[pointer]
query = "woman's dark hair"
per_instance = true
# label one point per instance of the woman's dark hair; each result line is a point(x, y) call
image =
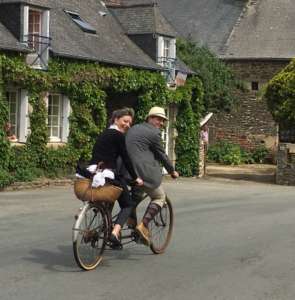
point(119, 113)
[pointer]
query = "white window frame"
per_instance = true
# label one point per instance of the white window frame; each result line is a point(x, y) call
point(51, 136)
point(63, 118)
point(166, 55)
point(165, 137)
point(166, 48)
point(44, 32)
point(24, 116)
point(35, 40)
point(17, 100)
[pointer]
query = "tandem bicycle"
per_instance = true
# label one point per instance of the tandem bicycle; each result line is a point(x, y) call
point(95, 220)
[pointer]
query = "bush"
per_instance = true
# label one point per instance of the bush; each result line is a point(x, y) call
point(260, 154)
point(59, 162)
point(225, 152)
point(5, 178)
point(228, 153)
point(27, 173)
point(217, 78)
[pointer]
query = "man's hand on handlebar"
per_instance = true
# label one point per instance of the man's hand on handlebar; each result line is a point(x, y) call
point(174, 174)
point(138, 181)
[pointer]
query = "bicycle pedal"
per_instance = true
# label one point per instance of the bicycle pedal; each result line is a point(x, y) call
point(136, 238)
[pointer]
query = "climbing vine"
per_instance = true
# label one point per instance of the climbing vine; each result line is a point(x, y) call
point(88, 86)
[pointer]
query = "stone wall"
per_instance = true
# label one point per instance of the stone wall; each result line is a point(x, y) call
point(286, 164)
point(250, 123)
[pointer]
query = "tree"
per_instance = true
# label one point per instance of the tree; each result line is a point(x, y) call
point(218, 80)
point(280, 96)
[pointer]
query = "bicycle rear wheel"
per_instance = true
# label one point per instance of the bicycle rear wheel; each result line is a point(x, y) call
point(161, 228)
point(89, 237)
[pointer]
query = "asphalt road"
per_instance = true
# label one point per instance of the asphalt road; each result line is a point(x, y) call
point(230, 241)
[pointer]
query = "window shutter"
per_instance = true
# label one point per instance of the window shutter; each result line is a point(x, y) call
point(25, 20)
point(66, 110)
point(160, 48)
point(172, 48)
point(23, 116)
point(46, 33)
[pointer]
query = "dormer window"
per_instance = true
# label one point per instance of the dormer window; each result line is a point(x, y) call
point(35, 30)
point(166, 57)
point(36, 36)
point(80, 22)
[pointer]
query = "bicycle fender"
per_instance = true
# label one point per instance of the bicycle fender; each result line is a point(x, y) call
point(78, 221)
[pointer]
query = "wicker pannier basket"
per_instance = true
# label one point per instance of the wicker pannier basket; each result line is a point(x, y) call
point(107, 193)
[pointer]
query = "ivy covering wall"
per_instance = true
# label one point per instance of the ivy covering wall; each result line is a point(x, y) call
point(88, 85)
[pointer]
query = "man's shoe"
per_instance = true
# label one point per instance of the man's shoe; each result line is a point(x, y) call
point(143, 233)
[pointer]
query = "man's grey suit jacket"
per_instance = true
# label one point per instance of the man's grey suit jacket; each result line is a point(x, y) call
point(145, 148)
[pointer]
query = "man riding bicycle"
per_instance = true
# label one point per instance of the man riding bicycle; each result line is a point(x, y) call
point(144, 146)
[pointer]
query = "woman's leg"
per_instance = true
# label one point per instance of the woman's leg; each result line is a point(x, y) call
point(126, 208)
point(126, 205)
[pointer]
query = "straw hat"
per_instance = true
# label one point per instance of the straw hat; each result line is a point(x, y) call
point(206, 119)
point(158, 112)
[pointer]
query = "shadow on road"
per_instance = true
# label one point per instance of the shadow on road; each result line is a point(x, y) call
point(63, 260)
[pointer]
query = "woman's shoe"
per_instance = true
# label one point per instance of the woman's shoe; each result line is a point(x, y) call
point(115, 241)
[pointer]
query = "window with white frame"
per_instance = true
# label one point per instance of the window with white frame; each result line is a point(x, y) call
point(166, 53)
point(166, 48)
point(13, 111)
point(165, 137)
point(54, 117)
point(36, 35)
point(35, 29)
point(18, 113)
point(57, 122)
point(165, 133)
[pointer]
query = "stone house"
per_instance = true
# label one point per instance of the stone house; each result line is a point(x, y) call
point(143, 22)
point(256, 39)
point(76, 30)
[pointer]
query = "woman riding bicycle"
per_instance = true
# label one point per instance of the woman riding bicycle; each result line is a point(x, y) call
point(109, 146)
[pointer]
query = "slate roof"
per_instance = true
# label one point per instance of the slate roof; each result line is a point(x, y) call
point(208, 22)
point(42, 3)
point(9, 42)
point(182, 67)
point(142, 17)
point(108, 45)
point(236, 29)
point(265, 30)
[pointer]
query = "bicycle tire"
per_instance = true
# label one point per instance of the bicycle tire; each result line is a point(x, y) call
point(161, 228)
point(89, 237)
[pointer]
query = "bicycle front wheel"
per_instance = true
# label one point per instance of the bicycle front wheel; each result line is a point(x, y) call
point(161, 228)
point(89, 237)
